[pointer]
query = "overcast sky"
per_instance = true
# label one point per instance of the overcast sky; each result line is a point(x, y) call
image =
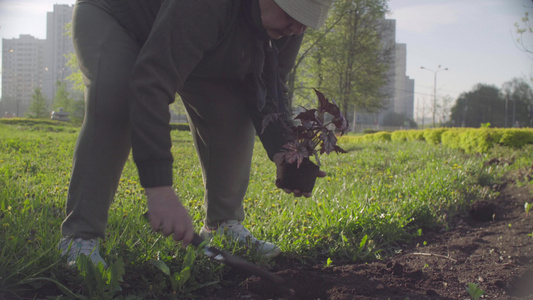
point(474, 39)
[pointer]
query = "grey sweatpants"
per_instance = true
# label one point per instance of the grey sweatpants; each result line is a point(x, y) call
point(222, 130)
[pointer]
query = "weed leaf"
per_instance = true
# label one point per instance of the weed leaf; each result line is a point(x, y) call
point(474, 291)
point(114, 276)
point(161, 266)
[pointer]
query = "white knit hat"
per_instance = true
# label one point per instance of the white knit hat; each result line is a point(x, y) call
point(312, 13)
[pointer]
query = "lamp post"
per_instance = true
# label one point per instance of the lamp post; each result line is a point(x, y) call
point(434, 88)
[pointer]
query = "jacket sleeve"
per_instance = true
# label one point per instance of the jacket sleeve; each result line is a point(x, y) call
point(183, 31)
point(275, 135)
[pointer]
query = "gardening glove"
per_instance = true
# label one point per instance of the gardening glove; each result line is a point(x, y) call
point(167, 214)
point(298, 192)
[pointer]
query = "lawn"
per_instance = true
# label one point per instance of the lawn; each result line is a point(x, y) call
point(374, 197)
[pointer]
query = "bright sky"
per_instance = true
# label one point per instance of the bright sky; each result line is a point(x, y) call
point(26, 17)
point(474, 39)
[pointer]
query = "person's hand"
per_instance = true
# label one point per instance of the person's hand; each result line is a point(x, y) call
point(278, 160)
point(167, 214)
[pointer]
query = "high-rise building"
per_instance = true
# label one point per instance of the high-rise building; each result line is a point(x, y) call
point(29, 63)
point(404, 87)
point(22, 71)
point(58, 46)
point(399, 88)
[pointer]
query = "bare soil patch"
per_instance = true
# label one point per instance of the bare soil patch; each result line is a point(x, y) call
point(488, 246)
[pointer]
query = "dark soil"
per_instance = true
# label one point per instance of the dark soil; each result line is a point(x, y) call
point(488, 246)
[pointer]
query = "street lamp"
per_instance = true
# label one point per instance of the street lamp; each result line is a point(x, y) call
point(434, 88)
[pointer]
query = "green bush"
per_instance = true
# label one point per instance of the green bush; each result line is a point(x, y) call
point(433, 136)
point(479, 140)
point(180, 126)
point(32, 122)
point(471, 140)
point(382, 136)
point(516, 137)
point(399, 135)
point(47, 125)
point(452, 138)
point(415, 135)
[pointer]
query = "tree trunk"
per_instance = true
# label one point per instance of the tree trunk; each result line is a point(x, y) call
point(354, 120)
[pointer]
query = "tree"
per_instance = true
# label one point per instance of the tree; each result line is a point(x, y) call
point(76, 77)
point(484, 104)
point(78, 86)
point(307, 77)
point(443, 108)
point(523, 30)
point(518, 95)
point(396, 119)
point(62, 98)
point(38, 108)
point(349, 62)
point(77, 108)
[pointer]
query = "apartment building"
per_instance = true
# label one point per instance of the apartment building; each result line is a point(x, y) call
point(29, 63)
point(404, 87)
point(399, 89)
point(22, 71)
point(58, 46)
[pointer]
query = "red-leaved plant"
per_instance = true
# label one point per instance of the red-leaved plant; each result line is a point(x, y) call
point(310, 137)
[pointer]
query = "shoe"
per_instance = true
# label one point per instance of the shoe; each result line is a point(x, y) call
point(236, 231)
point(72, 248)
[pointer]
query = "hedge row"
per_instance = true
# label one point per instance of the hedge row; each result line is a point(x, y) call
point(34, 122)
point(471, 140)
point(180, 126)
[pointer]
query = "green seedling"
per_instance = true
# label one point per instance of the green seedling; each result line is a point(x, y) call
point(101, 283)
point(178, 279)
point(329, 262)
point(527, 207)
point(474, 291)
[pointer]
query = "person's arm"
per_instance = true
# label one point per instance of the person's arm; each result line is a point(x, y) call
point(275, 136)
point(287, 59)
point(183, 31)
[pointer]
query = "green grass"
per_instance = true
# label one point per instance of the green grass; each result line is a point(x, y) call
point(375, 197)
